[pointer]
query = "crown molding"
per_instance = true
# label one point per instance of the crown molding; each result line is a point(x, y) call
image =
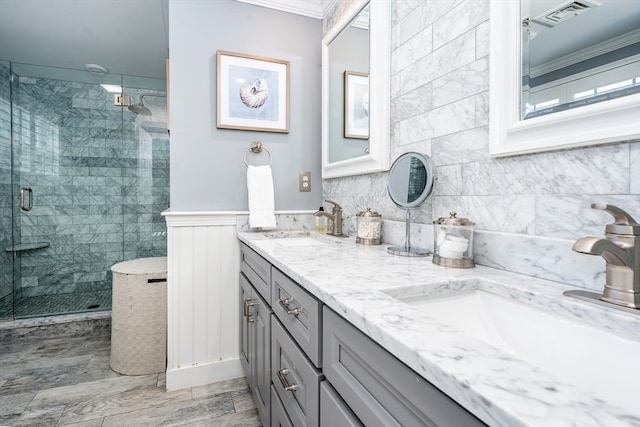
point(310, 8)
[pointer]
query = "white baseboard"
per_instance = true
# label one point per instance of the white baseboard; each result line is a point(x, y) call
point(204, 374)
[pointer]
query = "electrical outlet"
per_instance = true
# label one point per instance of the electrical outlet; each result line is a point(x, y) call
point(304, 182)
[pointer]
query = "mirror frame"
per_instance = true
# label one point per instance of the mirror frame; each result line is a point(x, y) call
point(377, 160)
point(615, 120)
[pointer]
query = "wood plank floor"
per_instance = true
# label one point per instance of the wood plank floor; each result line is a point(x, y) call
point(67, 381)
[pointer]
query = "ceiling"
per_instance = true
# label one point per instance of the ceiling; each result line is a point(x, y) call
point(127, 36)
point(606, 20)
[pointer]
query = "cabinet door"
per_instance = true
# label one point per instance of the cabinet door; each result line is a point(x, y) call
point(245, 299)
point(299, 312)
point(296, 380)
point(380, 389)
point(279, 417)
point(257, 270)
point(333, 410)
point(261, 356)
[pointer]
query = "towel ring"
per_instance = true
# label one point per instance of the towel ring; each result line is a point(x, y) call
point(256, 147)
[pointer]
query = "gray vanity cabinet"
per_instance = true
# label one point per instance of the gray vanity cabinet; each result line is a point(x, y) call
point(379, 389)
point(255, 338)
point(309, 367)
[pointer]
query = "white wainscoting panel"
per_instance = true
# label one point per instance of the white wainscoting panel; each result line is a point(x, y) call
point(203, 308)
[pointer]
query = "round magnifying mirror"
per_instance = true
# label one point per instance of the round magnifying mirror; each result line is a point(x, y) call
point(410, 184)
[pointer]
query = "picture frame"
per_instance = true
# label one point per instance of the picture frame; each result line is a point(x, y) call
point(356, 105)
point(252, 92)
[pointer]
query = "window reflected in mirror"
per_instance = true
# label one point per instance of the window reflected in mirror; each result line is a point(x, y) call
point(577, 53)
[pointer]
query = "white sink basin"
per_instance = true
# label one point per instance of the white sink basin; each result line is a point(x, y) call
point(286, 234)
point(297, 238)
point(593, 359)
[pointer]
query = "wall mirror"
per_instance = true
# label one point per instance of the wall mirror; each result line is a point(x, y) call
point(356, 54)
point(563, 74)
point(410, 183)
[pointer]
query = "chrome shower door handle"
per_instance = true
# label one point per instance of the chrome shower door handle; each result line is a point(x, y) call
point(26, 207)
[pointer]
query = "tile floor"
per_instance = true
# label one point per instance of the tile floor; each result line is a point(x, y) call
point(67, 381)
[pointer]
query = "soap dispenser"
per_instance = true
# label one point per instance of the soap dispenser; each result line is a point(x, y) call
point(321, 222)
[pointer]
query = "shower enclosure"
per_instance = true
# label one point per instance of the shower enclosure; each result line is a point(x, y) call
point(83, 182)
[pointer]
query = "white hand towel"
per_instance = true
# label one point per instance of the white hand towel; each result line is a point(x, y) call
point(261, 204)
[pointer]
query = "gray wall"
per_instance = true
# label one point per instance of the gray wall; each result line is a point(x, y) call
point(207, 169)
point(440, 106)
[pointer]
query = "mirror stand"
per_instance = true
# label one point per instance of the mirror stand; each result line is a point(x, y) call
point(410, 183)
point(407, 249)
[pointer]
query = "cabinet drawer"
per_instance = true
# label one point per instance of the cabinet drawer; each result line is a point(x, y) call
point(257, 270)
point(279, 417)
point(291, 369)
point(379, 389)
point(300, 314)
point(333, 410)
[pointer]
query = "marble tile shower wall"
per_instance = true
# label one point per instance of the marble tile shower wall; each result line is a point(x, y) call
point(440, 106)
point(100, 182)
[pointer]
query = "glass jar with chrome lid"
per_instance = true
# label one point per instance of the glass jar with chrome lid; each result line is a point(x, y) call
point(453, 242)
point(369, 227)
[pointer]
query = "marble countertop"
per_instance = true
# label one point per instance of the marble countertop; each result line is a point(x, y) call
point(358, 282)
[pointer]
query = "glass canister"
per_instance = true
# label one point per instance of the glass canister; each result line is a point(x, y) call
point(369, 227)
point(453, 242)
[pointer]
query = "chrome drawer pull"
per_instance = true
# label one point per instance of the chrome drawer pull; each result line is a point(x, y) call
point(247, 304)
point(285, 304)
point(247, 309)
point(282, 373)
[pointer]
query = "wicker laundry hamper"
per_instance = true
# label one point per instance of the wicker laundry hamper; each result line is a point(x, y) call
point(139, 316)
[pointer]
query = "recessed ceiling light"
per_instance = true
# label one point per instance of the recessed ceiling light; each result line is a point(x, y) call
point(112, 88)
point(96, 69)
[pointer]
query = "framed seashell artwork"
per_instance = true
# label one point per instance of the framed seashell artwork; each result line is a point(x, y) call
point(252, 93)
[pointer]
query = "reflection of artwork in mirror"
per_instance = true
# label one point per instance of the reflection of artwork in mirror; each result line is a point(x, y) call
point(253, 93)
point(578, 53)
point(356, 105)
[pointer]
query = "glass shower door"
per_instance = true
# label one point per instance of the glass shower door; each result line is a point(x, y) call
point(67, 190)
point(6, 261)
point(83, 182)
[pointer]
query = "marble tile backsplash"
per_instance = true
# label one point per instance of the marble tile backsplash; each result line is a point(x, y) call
point(528, 209)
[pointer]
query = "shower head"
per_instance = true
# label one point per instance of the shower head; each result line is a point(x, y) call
point(140, 108)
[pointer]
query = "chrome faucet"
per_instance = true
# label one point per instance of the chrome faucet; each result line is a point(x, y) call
point(621, 249)
point(335, 216)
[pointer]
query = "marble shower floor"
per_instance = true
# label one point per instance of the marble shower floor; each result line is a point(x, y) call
point(68, 382)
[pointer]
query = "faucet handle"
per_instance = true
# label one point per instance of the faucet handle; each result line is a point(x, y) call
point(336, 206)
point(623, 222)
